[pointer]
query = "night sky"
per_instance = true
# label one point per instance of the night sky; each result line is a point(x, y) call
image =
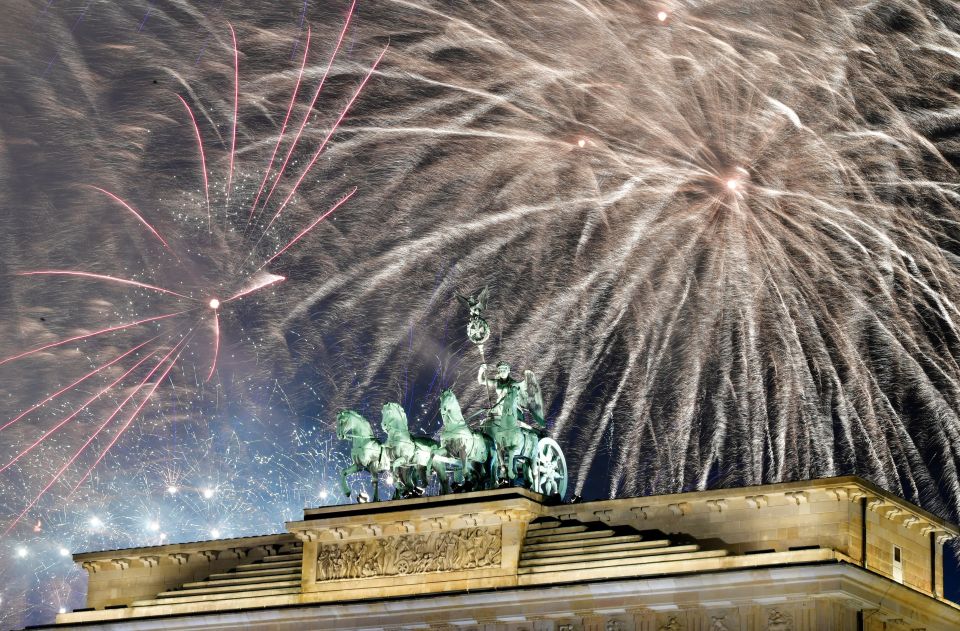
point(723, 234)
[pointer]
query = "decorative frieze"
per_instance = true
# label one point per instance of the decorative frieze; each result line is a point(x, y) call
point(679, 509)
point(120, 564)
point(516, 514)
point(855, 494)
point(209, 555)
point(717, 505)
point(400, 555)
point(672, 624)
point(756, 501)
point(150, 561)
point(779, 621)
point(893, 513)
point(797, 497)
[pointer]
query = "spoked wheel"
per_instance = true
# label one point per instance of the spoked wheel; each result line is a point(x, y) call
point(549, 469)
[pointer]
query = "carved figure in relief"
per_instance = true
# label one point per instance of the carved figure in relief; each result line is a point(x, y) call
point(672, 625)
point(411, 457)
point(777, 621)
point(470, 548)
point(366, 454)
point(717, 623)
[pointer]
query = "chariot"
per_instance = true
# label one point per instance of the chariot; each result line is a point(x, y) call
point(508, 445)
point(503, 450)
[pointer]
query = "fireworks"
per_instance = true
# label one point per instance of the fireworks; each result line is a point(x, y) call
point(205, 269)
point(722, 233)
point(175, 343)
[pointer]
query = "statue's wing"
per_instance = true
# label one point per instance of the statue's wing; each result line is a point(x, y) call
point(482, 298)
point(463, 300)
point(534, 403)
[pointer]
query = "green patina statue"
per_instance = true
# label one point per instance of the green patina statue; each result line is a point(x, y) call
point(411, 457)
point(366, 453)
point(526, 397)
point(510, 444)
point(471, 450)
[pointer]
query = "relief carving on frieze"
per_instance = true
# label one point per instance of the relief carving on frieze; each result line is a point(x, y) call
point(399, 555)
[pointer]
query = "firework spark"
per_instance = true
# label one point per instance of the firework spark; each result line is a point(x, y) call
point(724, 234)
point(198, 288)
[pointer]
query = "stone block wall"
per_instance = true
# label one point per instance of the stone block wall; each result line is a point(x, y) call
point(782, 517)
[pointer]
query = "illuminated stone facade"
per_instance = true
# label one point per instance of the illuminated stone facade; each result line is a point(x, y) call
point(826, 554)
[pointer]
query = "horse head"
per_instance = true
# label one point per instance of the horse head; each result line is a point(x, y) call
point(350, 423)
point(450, 410)
point(394, 419)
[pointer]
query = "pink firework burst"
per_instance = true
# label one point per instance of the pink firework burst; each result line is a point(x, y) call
point(189, 316)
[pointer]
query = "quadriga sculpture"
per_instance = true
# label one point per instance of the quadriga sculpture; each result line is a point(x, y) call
point(411, 457)
point(504, 449)
point(471, 450)
point(515, 442)
point(366, 453)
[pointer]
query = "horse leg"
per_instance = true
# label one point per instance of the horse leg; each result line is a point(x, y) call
point(375, 476)
point(477, 480)
point(399, 483)
point(512, 453)
point(441, 472)
point(343, 478)
point(504, 459)
point(464, 474)
point(412, 481)
point(424, 479)
point(432, 464)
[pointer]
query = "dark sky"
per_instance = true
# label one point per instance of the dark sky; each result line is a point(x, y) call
point(722, 233)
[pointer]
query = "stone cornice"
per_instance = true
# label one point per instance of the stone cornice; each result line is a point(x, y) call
point(234, 546)
point(846, 488)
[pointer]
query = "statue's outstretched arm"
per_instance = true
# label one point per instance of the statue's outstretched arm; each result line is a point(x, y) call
point(482, 375)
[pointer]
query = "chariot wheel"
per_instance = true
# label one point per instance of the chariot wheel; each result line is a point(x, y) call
point(549, 469)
